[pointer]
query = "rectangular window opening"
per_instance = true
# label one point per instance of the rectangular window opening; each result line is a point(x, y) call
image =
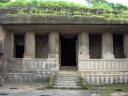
point(118, 45)
point(95, 46)
point(41, 48)
point(19, 45)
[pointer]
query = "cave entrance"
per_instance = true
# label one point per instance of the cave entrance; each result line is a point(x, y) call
point(68, 51)
point(19, 45)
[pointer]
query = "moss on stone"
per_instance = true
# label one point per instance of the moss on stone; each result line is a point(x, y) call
point(53, 19)
point(60, 12)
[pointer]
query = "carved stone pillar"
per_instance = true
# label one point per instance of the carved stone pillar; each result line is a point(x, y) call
point(126, 45)
point(83, 46)
point(7, 39)
point(107, 46)
point(53, 45)
point(29, 45)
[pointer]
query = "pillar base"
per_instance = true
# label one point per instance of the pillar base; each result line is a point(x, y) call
point(108, 56)
point(53, 56)
point(29, 56)
point(83, 57)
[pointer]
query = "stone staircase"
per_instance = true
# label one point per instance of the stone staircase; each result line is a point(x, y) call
point(67, 80)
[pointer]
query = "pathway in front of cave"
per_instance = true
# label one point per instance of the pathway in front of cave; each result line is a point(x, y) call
point(38, 90)
point(47, 92)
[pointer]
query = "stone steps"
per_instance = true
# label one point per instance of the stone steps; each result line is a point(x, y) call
point(68, 83)
point(67, 87)
point(67, 80)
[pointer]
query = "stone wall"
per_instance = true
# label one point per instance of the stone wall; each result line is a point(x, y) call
point(37, 19)
point(9, 45)
point(29, 70)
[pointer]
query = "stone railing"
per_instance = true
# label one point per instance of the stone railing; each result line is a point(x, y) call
point(100, 64)
point(30, 69)
point(99, 71)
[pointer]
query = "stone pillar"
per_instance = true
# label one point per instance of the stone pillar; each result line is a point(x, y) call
point(29, 45)
point(7, 39)
point(2, 38)
point(2, 33)
point(126, 45)
point(11, 44)
point(83, 46)
point(53, 45)
point(2, 44)
point(107, 46)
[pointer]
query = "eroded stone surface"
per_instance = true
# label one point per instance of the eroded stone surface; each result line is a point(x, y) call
point(119, 94)
point(38, 19)
point(33, 90)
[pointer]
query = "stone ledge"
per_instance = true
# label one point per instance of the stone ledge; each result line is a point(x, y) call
point(27, 77)
point(40, 19)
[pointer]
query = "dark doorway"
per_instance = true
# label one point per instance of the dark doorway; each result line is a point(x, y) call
point(19, 51)
point(118, 48)
point(19, 45)
point(68, 51)
point(95, 46)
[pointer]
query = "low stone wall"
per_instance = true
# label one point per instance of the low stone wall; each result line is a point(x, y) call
point(100, 72)
point(30, 70)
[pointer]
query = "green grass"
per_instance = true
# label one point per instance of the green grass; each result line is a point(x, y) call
point(105, 90)
point(108, 89)
point(51, 81)
point(85, 85)
point(52, 4)
point(54, 8)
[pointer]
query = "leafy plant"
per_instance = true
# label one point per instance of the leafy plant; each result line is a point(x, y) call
point(4, 1)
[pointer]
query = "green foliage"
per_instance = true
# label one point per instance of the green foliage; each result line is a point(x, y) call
point(95, 4)
point(103, 4)
point(118, 6)
point(108, 89)
point(85, 85)
point(34, 3)
point(51, 81)
point(98, 8)
point(4, 1)
point(100, 4)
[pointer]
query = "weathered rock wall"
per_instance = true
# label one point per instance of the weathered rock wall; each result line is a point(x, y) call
point(42, 19)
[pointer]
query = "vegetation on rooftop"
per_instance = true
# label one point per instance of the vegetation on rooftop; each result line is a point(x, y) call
point(94, 8)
